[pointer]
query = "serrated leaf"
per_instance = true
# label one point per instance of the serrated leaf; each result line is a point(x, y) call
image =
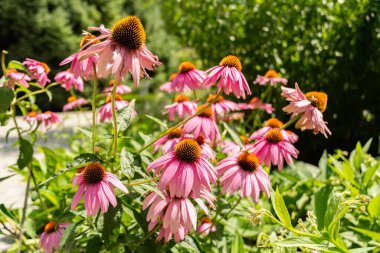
point(26, 154)
point(126, 161)
point(280, 209)
point(6, 97)
point(374, 206)
point(237, 244)
point(158, 121)
point(235, 137)
point(124, 116)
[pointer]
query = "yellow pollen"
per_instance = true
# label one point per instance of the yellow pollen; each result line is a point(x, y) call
point(129, 32)
point(71, 99)
point(46, 67)
point(274, 136)
point(181, 98)
point(317, 99)
point(93, 173)
point(271, 74)
point(185, 67)
point(274, 123)
point(188, 150)
point(32, 114)
point(254, 100)
point(50, 227)
point(211, 97)
point(175, 133)
point(206, 220)
point(117, 98)
point(248, 161)
point(207, 113)
point(231, 61)
point(244, 139)
point(87, 38)
point(172, 76)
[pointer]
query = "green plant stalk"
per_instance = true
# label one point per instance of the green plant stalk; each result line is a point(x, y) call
point(226, 215)
point(114, 119)
point(25, 206)
point(179, 124)
point(291, 121)
point(94, 91)
point(38, 91)
point(3, 67)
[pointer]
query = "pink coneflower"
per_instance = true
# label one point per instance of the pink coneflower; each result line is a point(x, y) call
point(207, 150)
point(105, 111)
point(221, 106)
point(73, 102)
point(243, 172)
point(33, 117)
point(168, 142)
point(49, 239)
point(96, 185)
point(206, 226)
point(167, 87)
point(233, 116)
point(311, 104)
point(120, 89)
point(83, 68)
point(231, 148)
point(38, 70)
point(181, 106)
point(188, 78)
point(123, 51)
point(293, 138)
point(271, 77)
point(17, 78)
point(203, 125)
point(228, 76)
point(49, 118)
point(184, 170)
point(177, 215)
point(274, 147)
point(269, 124)
point(68, 80)
point(256, 103)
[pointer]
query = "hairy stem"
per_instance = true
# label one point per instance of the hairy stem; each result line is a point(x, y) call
point(94, 91)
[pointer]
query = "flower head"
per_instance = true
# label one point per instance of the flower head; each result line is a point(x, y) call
point(231, 148)
point(16, 77)
point(49, 118)
point(272, 123)
point(228, 76)
point(38, 70)
point(188, 78)
point(120, 89)
point(221, 106)
point(168, 142)
point(167, 87)
point(49, 239)
point(96, 185)
point(73, 102)
point(256, 103)
point(181, 106)
point(271, 77)
point(68, 80)
point(206, 226)
point(105, 111)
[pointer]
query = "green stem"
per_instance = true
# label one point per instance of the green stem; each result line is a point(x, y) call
point(195, 94)
point(291, 121)
point(38, 192)
point(37, 91)
point(179, 124)
point(94, 91)
point(3, 67)
point(134, 183)
point(114, 119)
point(24, 213)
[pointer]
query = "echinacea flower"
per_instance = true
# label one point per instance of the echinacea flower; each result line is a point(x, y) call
point(177, 215)
point(167, 87)
point(206, 226)
point(232, 148)
point(73, 102)
point(105, 111)
point(228, 76)
point(271, 77)
point(269, 124)
point(221, 106)
point(181, 106)
point(244, 172)
point(207, 150)
point(16, 77)
point(33, 116)
point(120, 88)
point(123, 51)
point(168, 142)
point(184, 170)
point(188, 78)
point(38, 70)
point(68, 80)
point(274, 147)
point(95, 183)
point(256, 103)
point(83, 68)
point(203, 124)
point(49, 239)
point(311, 105)
point(49, 118)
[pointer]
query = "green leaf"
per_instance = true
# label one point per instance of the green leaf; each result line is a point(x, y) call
point(368, 175)
point(280, 209)
point(322, 164)
point(124, 116)
point(235, 137)
point(306, 243)
point(94, 245)
point(7, 213)
point(320, 204)
point(6, 97)
point(348, 173)
point(158, 121)
point(85, 132)
point(366, 146)
point(374, 206)
point(369, 233)
point(237, 244)
point(83, 159)
point(111, 225)
point(67, 242)
point(4, 118)
point(16, 65)
point(26, 154)
point(332, 209)
point(126, 161)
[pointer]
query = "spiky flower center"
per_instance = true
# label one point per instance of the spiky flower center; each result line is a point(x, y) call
point(206, 111)
point(181, 98)
point(117, 98)
point(188, 150)
point(46, 67)
point(212, 97)
point(50, 227)
point(32, 114)
point(48, 112)
point(231, 61)
point(111, 83)
point(271, 74)
point(206, 220)
point(129, 32)
point(93, 173)
point(175, 133)
point(244, 139)
point(274, 123)
point(317, 99)
point(254, 100)
point(274, 136)
point(172, 76)
point(200, 140)
point(248, 161)
point(87, 38)
point(71, 99)
point(185, 67)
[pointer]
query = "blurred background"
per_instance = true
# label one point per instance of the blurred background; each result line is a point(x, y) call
point(331, 46)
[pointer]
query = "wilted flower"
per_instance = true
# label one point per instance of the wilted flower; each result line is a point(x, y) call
point(16, 77)
point(38, 70)
point(188, 78)
point(73, 102)
point(181, 106)
point(49, 239)
point(167, 87)
point(120, 88)
point(271, 77)
point(105, 111)
point(68, 80)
